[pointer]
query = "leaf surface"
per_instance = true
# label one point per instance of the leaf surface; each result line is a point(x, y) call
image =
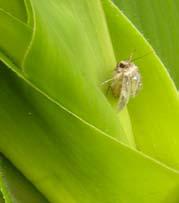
point(158, 21)
point(15, 187)
point(66, 132)
point(154, 112)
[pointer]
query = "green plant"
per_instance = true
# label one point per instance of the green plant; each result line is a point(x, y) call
point(60, 130)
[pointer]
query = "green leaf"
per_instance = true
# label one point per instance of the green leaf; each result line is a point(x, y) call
point(155, 111)
point(95, 58)
point(158, 21)
point(64, 134)
point(70, 161)
point(15, 37)
point(15, 187)
point(15, 8)
point(1, 198)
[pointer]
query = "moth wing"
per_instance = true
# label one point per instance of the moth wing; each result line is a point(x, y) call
point(125, 92)
point(135, 83)
point(131, 84)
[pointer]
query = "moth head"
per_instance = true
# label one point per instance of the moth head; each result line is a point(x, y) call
point(122, 65)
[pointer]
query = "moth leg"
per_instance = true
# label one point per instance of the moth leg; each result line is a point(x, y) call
point(109, 86)
point(131, 56)
point(107, 81)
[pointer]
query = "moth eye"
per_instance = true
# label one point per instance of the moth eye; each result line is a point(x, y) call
point(122, 65)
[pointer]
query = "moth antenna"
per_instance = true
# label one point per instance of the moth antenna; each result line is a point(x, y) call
point(107, 81)
point(131, 56)
point(135, 59)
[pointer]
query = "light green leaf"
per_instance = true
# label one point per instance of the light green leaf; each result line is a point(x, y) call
point(64, 134)
point(16, 8)
point(155, 111)
point(15, 37)
point(158, 21)
point(95, 56)
point(69, 161)
point(15, 187)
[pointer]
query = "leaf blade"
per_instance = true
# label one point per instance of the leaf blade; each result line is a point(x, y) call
point(154, 119)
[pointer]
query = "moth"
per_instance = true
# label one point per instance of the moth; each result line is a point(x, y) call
point(126, 82)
